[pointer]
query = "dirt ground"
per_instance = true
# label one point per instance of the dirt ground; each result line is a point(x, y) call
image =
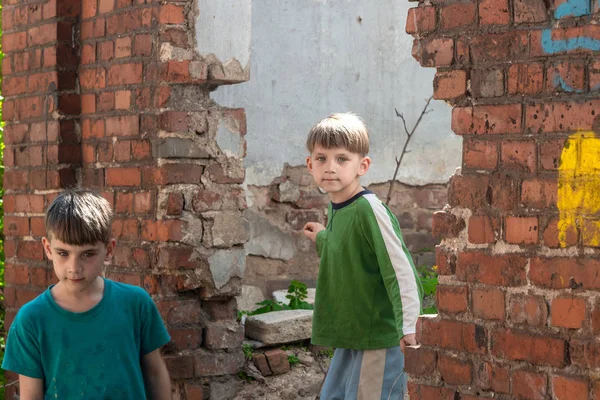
point(303, 381)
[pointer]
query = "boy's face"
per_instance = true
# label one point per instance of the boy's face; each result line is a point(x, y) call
point(337, 171)
point(77, 267)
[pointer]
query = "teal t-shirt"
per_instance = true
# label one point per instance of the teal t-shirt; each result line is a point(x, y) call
point(91, 355)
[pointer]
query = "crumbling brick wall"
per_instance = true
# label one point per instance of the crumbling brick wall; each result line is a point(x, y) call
point(518, 294)
point(111, 95)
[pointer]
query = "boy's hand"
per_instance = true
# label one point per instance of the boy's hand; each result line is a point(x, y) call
point(408, 340)
point(311, 229)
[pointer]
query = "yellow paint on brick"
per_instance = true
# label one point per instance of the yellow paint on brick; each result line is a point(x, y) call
point(579, 188)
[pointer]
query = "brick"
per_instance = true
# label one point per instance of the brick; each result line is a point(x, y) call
point(186, 72)
point(492, 119)
point(519, 155)
point(105, 50)
point(125, 229)
point(93, 29)
point(550, 153)
point(539, 193)
point(452, 299)
point(446, 225)
point(566, 76)
point(30, 250)
point(494, 12)
point(585, 353)
point(13, 86)
point(16, 274)
point(224, 336)
point(171, 14)
point(180, 367)
point(298, 218)
point(260, 361)
point(453, 335)
point(450, 85)
point(124, 202)
point(142, 45)
point(552, 237)
point(215, 364)
point(590, 233)
point(16, 226)
point(143, 202)
point(495, 377)
point(278, 361)
point(487, 83)
point(469, 191)
point(594, 73)
point(125, 74)
point(424, 392)
point(529, 11)
point(106, 6)
point(122, 151)
point(560, 273)
point(454, 371)
point(176, 258)
point(569, 388)
point(162, 230)
point(529, 385)
point(14, 42)
point(181, 173)
point(499, 270)
point(457, 15)
point(568, 312)
point(123, 177)
point(175, 204)
point(509, 46)
point(528, 309)
point(519, 346)
point(123, 126)
point(444, 261)
point(42, 34)
point(194, 391)
point(122, 99)
point(106, 102)
point(482, 229)
point(434, 52)
point(421, 362)
point(420, 20)
point(488, 304)
point(29, 203)
point(186, 339)
point(521, 230)
point(561, 116)
point(123, 47)
point(92, 78)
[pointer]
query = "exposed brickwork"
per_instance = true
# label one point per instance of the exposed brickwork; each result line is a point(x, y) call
point(93, 100)
point(519, 295)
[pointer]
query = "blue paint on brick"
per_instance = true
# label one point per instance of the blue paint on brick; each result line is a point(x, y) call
point(572, 8)
point(551, 46)
point(559, 81)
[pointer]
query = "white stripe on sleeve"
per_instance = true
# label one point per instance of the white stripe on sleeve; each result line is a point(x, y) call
point(409, 293)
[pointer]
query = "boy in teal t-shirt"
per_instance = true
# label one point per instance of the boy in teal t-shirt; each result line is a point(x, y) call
point(86, 337)
point(368, 295)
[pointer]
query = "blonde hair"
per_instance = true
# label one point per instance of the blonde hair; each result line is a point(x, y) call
point(79, 217)
point(342, 130)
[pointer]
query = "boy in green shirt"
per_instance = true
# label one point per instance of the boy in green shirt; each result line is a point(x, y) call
point(86, 337)
point(368, 294)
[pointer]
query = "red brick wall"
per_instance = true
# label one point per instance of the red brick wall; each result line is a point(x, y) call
point(519, 261)
point(91, 102)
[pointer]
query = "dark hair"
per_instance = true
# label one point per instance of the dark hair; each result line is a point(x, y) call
point(79, 217)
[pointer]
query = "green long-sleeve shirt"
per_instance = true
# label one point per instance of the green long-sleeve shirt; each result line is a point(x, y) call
point(368, 293)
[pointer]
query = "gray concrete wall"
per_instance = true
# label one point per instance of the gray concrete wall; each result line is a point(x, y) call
point(314, 57)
